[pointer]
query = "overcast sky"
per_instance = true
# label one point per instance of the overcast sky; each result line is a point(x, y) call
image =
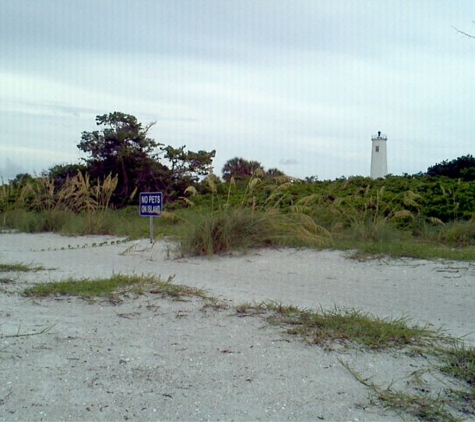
point(300, 85)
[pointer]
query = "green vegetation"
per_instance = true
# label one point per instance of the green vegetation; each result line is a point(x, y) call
point(229, 230)
point(461, 167)
point(454, 402)
point(19, 268)
point(397, 216)
point(113, 286)
point(459, 362)
point(124, 148)
point(446, 360)
point(348, 327)
point(420, 403)
point(424, 215)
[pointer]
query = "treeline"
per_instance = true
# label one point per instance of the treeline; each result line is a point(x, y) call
point(122, 148)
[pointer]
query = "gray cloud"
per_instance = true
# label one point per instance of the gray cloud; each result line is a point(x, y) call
point(9, 169)
point(46, 108)
point(289, 162)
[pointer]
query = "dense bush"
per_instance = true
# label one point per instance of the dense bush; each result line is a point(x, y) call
point(459, 168)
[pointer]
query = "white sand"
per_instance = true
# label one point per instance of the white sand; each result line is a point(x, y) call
point(154, 359)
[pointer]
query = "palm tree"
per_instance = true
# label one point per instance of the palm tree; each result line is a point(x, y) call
point(239, 168)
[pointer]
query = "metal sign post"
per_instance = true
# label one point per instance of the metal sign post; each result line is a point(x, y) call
point(150, 205)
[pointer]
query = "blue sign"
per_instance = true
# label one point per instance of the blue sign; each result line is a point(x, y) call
point(150, 204)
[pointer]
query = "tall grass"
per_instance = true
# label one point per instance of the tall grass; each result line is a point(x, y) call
point(243, 223)
point(371, 217)
point(240, 229)
point(39, 206)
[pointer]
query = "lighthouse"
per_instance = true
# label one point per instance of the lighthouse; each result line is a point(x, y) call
point(379, 157)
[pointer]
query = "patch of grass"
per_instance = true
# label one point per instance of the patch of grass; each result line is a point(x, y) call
point(456, 363)
point(459, 361)
point(420, 404)
point(352, 328)
point(458, 233)
point(348, 327)
point(20, 268)
point(117, 284)
point(122, 223)
point(407, 248)
point(175, 291)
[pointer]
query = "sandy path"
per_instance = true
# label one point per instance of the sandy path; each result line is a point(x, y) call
point(151, 358)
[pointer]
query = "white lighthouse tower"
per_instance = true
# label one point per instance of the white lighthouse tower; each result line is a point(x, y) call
point(379, 157)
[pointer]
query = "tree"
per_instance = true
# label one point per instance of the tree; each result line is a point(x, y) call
point(123, 147)
point(62, 172)
point(459, 168)
point(274, 172)
point(239, 169)
point(21, 180)
point(188, 166)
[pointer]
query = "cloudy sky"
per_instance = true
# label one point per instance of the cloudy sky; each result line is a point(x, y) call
point(300, 85)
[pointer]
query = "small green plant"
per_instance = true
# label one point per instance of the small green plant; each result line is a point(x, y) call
point(407, 248)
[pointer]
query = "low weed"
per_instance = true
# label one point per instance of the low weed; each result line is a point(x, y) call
point(420, 404)
point(111, 287)
point(350, 328)
point(123, 223)
point(35, 333)
point(407, 248)
point(20, 268)
point(458, 361)
point(347, 327)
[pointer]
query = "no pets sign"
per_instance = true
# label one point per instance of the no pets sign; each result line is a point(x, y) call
point(150, 204)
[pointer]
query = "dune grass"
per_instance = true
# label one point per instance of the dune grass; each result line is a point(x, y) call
point(455, 402)
point(458, 361)
point(240, 229)
point(419, 404)
point(405, 248)
point(347, 327)
point(113, 286)
point(20, 268)
point(206, 232)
